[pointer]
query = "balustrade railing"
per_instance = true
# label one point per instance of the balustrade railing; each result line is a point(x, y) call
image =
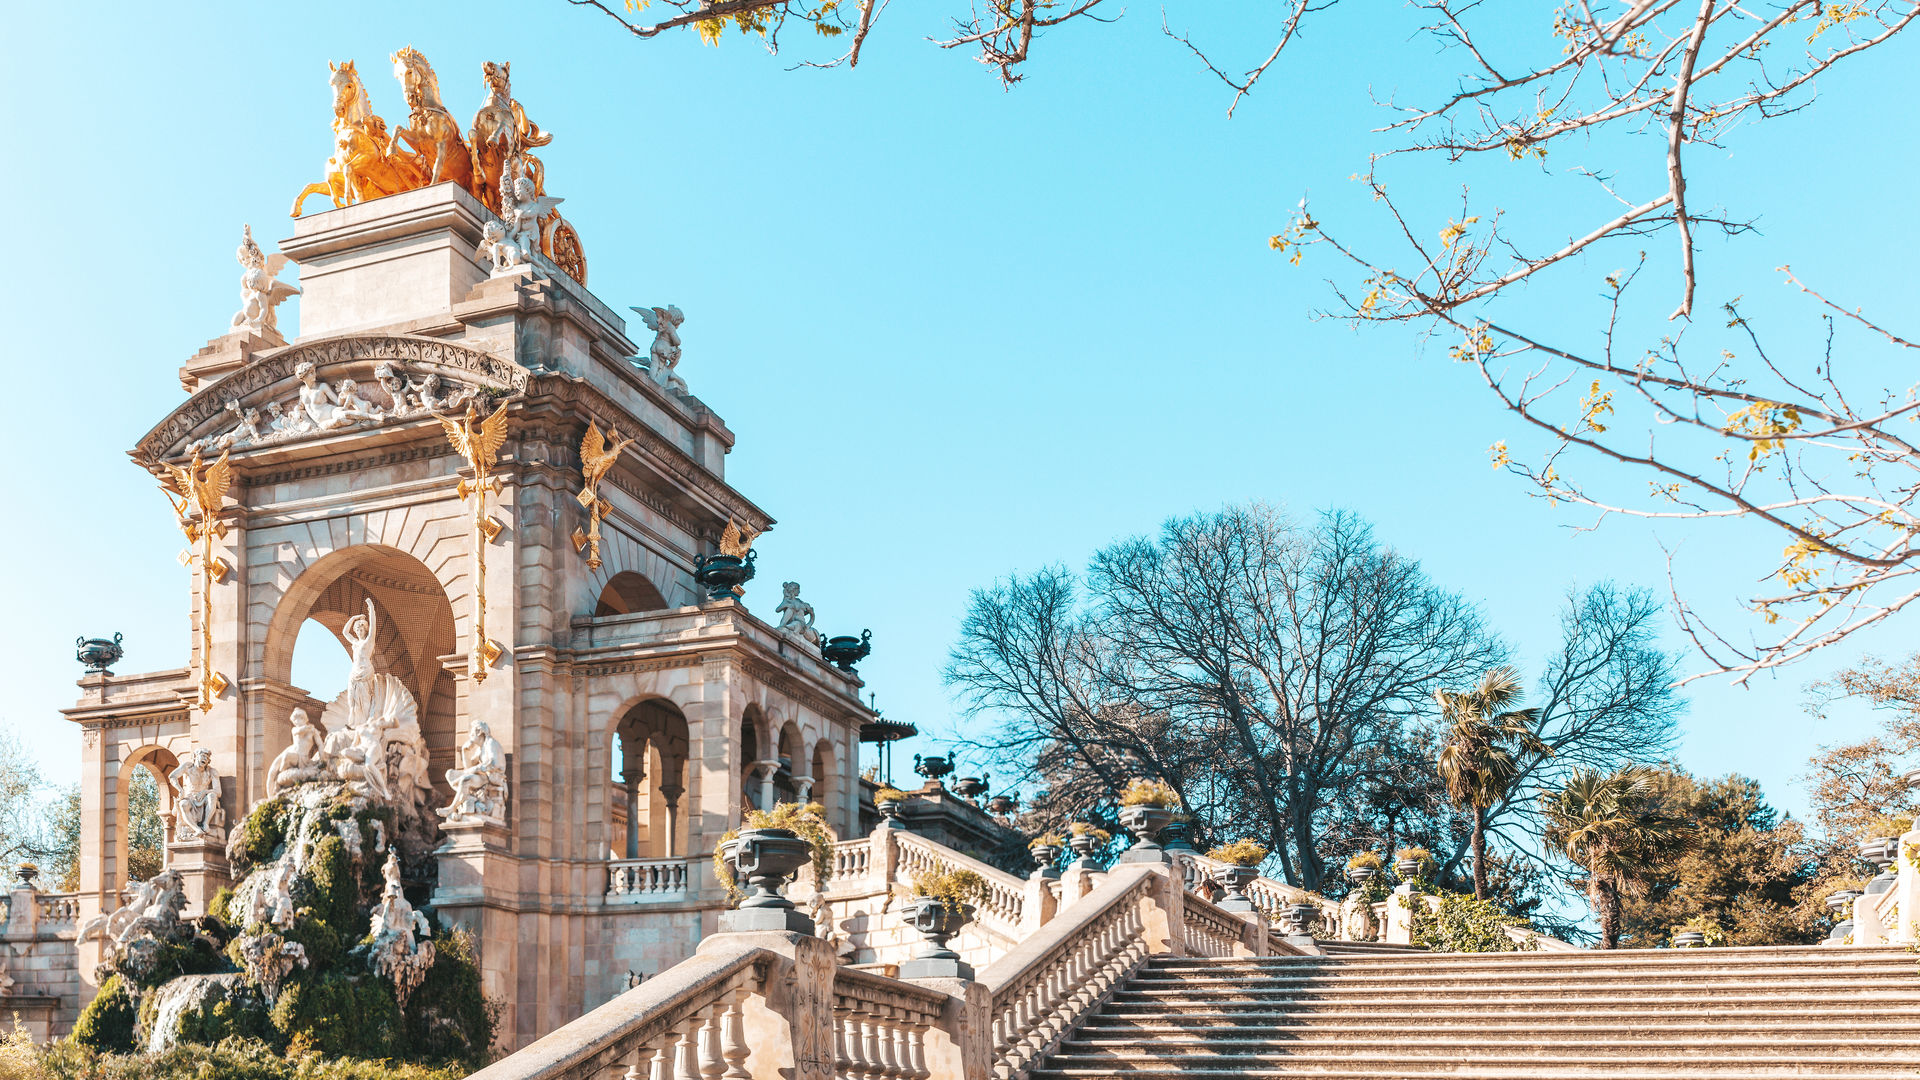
point(852, 859)
point(686, 1023)
point(1269, 897)
point(58, 907)
point(630, 880)
point(880, 1026)
point(1209, 931)
point(1042, 989)
point(1006, 894)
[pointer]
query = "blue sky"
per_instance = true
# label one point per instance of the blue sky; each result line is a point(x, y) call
point(959, 331)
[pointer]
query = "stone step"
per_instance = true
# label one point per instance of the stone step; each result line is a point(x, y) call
point(1404, 1069)
point(1218, 1051)
point(1397, 1065)
point(1311, 1024)
point(1644, 990)
point(1523, 1003)
point(1811, 977)
point(1664, 960)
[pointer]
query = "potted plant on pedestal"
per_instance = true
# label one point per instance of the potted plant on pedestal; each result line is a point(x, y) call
point(887, 801)
point(1045, 850)
point(1086, 838)
point(1698, 932)
point(943, 902)
point(1146, 807)
point(1240, 863)
point(1414, 864)
point(767, 850)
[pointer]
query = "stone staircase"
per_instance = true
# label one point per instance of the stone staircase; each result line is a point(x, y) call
point(1627, 1015)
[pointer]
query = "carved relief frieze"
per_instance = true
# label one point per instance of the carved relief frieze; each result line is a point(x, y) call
point(332, 466)
point(346, 382)
point(602, 669)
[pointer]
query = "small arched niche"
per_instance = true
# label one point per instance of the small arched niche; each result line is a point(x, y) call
point(628, 593)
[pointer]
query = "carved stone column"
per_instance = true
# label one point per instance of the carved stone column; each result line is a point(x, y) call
point(766, 769)
point(802, 786)
point(670, 795)
point(633, 768)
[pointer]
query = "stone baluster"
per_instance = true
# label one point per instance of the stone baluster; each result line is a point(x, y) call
point(641, 1067)
point(712, 1064)
point(686, 1049)
point(735, 1050)
point(876, 1055)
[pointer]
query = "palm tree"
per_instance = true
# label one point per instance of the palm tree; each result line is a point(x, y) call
point(1483, 751)
point(1615, 826)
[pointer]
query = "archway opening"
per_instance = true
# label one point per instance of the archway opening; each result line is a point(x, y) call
point(414, 628)
point(628, 593)
point(648, 780)
point(143, 807)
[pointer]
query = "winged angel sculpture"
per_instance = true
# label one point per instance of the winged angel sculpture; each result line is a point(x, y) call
point(260, 291)
point(596, 457)
point(512, 241)
point(664, 356)
point(196, 495)
point(479, 442)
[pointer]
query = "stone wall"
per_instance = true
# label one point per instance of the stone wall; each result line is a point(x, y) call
point(39, 968)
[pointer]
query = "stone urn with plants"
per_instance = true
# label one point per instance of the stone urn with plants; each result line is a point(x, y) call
point(1363, 868)
point(1698, 933)
point(1146, 807)
point(1045, 850)
point(766, 852)
point(944, 901)
point(887, 801)
point(1840, 903)
point(1085, 838)
point(1411, 864)
point(1239, 865)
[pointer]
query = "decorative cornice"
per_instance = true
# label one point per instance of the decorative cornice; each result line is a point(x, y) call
point(438, 448)
point(209, 404)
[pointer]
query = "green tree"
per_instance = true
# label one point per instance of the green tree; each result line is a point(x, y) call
point(1617, 828)
point(1748, 870)
point(1481, 754)
point(145, 837)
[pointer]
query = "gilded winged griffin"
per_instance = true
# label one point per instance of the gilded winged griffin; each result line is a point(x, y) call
point(596, 457)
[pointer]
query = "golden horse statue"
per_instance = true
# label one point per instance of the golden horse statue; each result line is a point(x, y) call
point(501, 133)
point(439, 153)
point(361, 167)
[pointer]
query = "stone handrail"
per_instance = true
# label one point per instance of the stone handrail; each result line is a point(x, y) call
point(58, 907)
point(1208, 930)
point(631, 880)
point(881, 1025)
point(852, 859)
point(1006, 894)
point(689, 1016)
point(1045, 986)
point(1269, 897)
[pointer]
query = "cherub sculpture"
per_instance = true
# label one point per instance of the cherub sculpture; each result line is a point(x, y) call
point(352, 405)
point(260, 292)
point(522, 210)
point(505, 257)
point(480, 783)
point(402, 396)
point(796, 614)
point(664, 355)
point(318, 401)
point(197, 811)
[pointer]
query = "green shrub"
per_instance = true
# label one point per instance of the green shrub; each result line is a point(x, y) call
point(222, 900)
point(260, 835)
point(339, 1015)
point(1239, 853)
point(1462, 924)
point(954, 889)
point(1144, 792)
point(1367, 859)
point(107, 1023)
point(448, 1018)
point(231, 1059)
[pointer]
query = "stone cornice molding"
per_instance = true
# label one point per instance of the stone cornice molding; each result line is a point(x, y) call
point(206, 410)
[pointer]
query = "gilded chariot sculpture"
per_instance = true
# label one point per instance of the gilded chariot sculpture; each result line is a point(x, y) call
point(495, 155)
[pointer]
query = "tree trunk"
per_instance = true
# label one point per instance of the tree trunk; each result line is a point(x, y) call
point(1600, 897)
point(1479, 853)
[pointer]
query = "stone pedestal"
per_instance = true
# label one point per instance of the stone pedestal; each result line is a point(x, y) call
point(473, 853)
point(202, 864)
point(961, 1043)
point(765, 920)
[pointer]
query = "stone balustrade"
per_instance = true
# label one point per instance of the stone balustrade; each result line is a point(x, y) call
point(639, 880)
point(1269, 897)
point(881, 1026)
point(1041, 989)
point(765, 1005)
point(687, 1023)
point(39, 961)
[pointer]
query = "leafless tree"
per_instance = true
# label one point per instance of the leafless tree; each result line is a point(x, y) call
point(1258, 666)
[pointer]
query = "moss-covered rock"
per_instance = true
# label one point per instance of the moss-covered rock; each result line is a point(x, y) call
point(109, 1020)
point(340, 1014)
point(259, 836)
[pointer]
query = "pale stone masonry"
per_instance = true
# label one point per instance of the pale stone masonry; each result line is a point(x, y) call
point(716, 710)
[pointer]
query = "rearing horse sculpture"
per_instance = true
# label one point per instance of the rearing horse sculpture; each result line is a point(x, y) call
point(439, 153)
point(360, 168)
point(501, 132)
